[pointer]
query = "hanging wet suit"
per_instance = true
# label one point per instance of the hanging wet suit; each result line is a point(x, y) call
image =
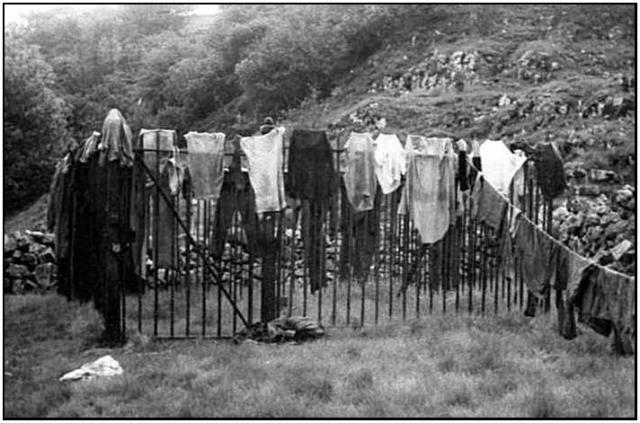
point(311, 179)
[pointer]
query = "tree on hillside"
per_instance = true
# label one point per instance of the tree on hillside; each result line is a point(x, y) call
point(34, 123)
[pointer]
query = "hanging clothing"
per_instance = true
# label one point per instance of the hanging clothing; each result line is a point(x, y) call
point(313, 236)
point(359, 177)
point(606, 301)
point(549, 170)
point(116, 140)
point(157, 145)
point(390, 161)
point(59, 215)
point(428, 195)
point(89, 147)
point(489, 206)
point(236, 196)
point(311, 179)
point(167, 225)
point(265, 159)
point(538, 255)
point(204, 159)
point(463, 177)
point(567, 278)
point(311, 173)
point(499, 164)
point(360, 236)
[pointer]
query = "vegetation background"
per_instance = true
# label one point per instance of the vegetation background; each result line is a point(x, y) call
point(163, 66)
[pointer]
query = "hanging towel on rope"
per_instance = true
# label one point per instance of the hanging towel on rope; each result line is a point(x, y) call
point(204, 159)
point(265, 160)
point(499, 164)
point(390, 162)
point(428, 195)
point(359, 177)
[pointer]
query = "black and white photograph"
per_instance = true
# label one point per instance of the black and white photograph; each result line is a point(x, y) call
point(319, 211)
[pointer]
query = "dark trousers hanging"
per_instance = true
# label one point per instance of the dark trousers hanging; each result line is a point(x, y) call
point(313, 213)
point(236, 195)
point(360, 236)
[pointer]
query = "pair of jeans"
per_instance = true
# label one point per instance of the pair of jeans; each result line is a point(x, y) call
point(312, 179)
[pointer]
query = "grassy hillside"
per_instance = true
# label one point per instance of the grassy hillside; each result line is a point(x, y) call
point(458, 366)
point(521, 73)
point(560, 73)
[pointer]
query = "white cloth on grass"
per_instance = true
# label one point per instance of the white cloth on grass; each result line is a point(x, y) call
point(104, 366)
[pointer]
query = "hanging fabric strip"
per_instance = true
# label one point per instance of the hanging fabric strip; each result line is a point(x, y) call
point(428, 195)
point(204, 160)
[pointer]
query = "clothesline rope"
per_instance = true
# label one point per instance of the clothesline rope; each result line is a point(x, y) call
point(537, 228)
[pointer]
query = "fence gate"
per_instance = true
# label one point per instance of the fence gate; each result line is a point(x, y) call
point(211, 267)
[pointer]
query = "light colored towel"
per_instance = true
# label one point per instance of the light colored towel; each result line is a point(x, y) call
point(499, 164)
point(390, 162)
point(265, 160)
point(205, 160)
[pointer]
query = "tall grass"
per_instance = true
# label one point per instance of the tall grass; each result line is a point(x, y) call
point(442, 366)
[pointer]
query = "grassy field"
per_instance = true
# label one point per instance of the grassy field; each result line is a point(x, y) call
point(454, 366)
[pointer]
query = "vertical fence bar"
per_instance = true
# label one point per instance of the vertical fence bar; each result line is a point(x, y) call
point(235, 264)
point(377, 256)
point(189, 205)
point(323, 253)
point(339, 239)
point(171, 279)
point(145, 218)
point(483, 266)
point(205, 207)
point(405, 253)
point(156, 215)
point(431, 266)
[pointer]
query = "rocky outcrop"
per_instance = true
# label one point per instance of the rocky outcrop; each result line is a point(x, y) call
point(601, 229)
point(29, 262)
